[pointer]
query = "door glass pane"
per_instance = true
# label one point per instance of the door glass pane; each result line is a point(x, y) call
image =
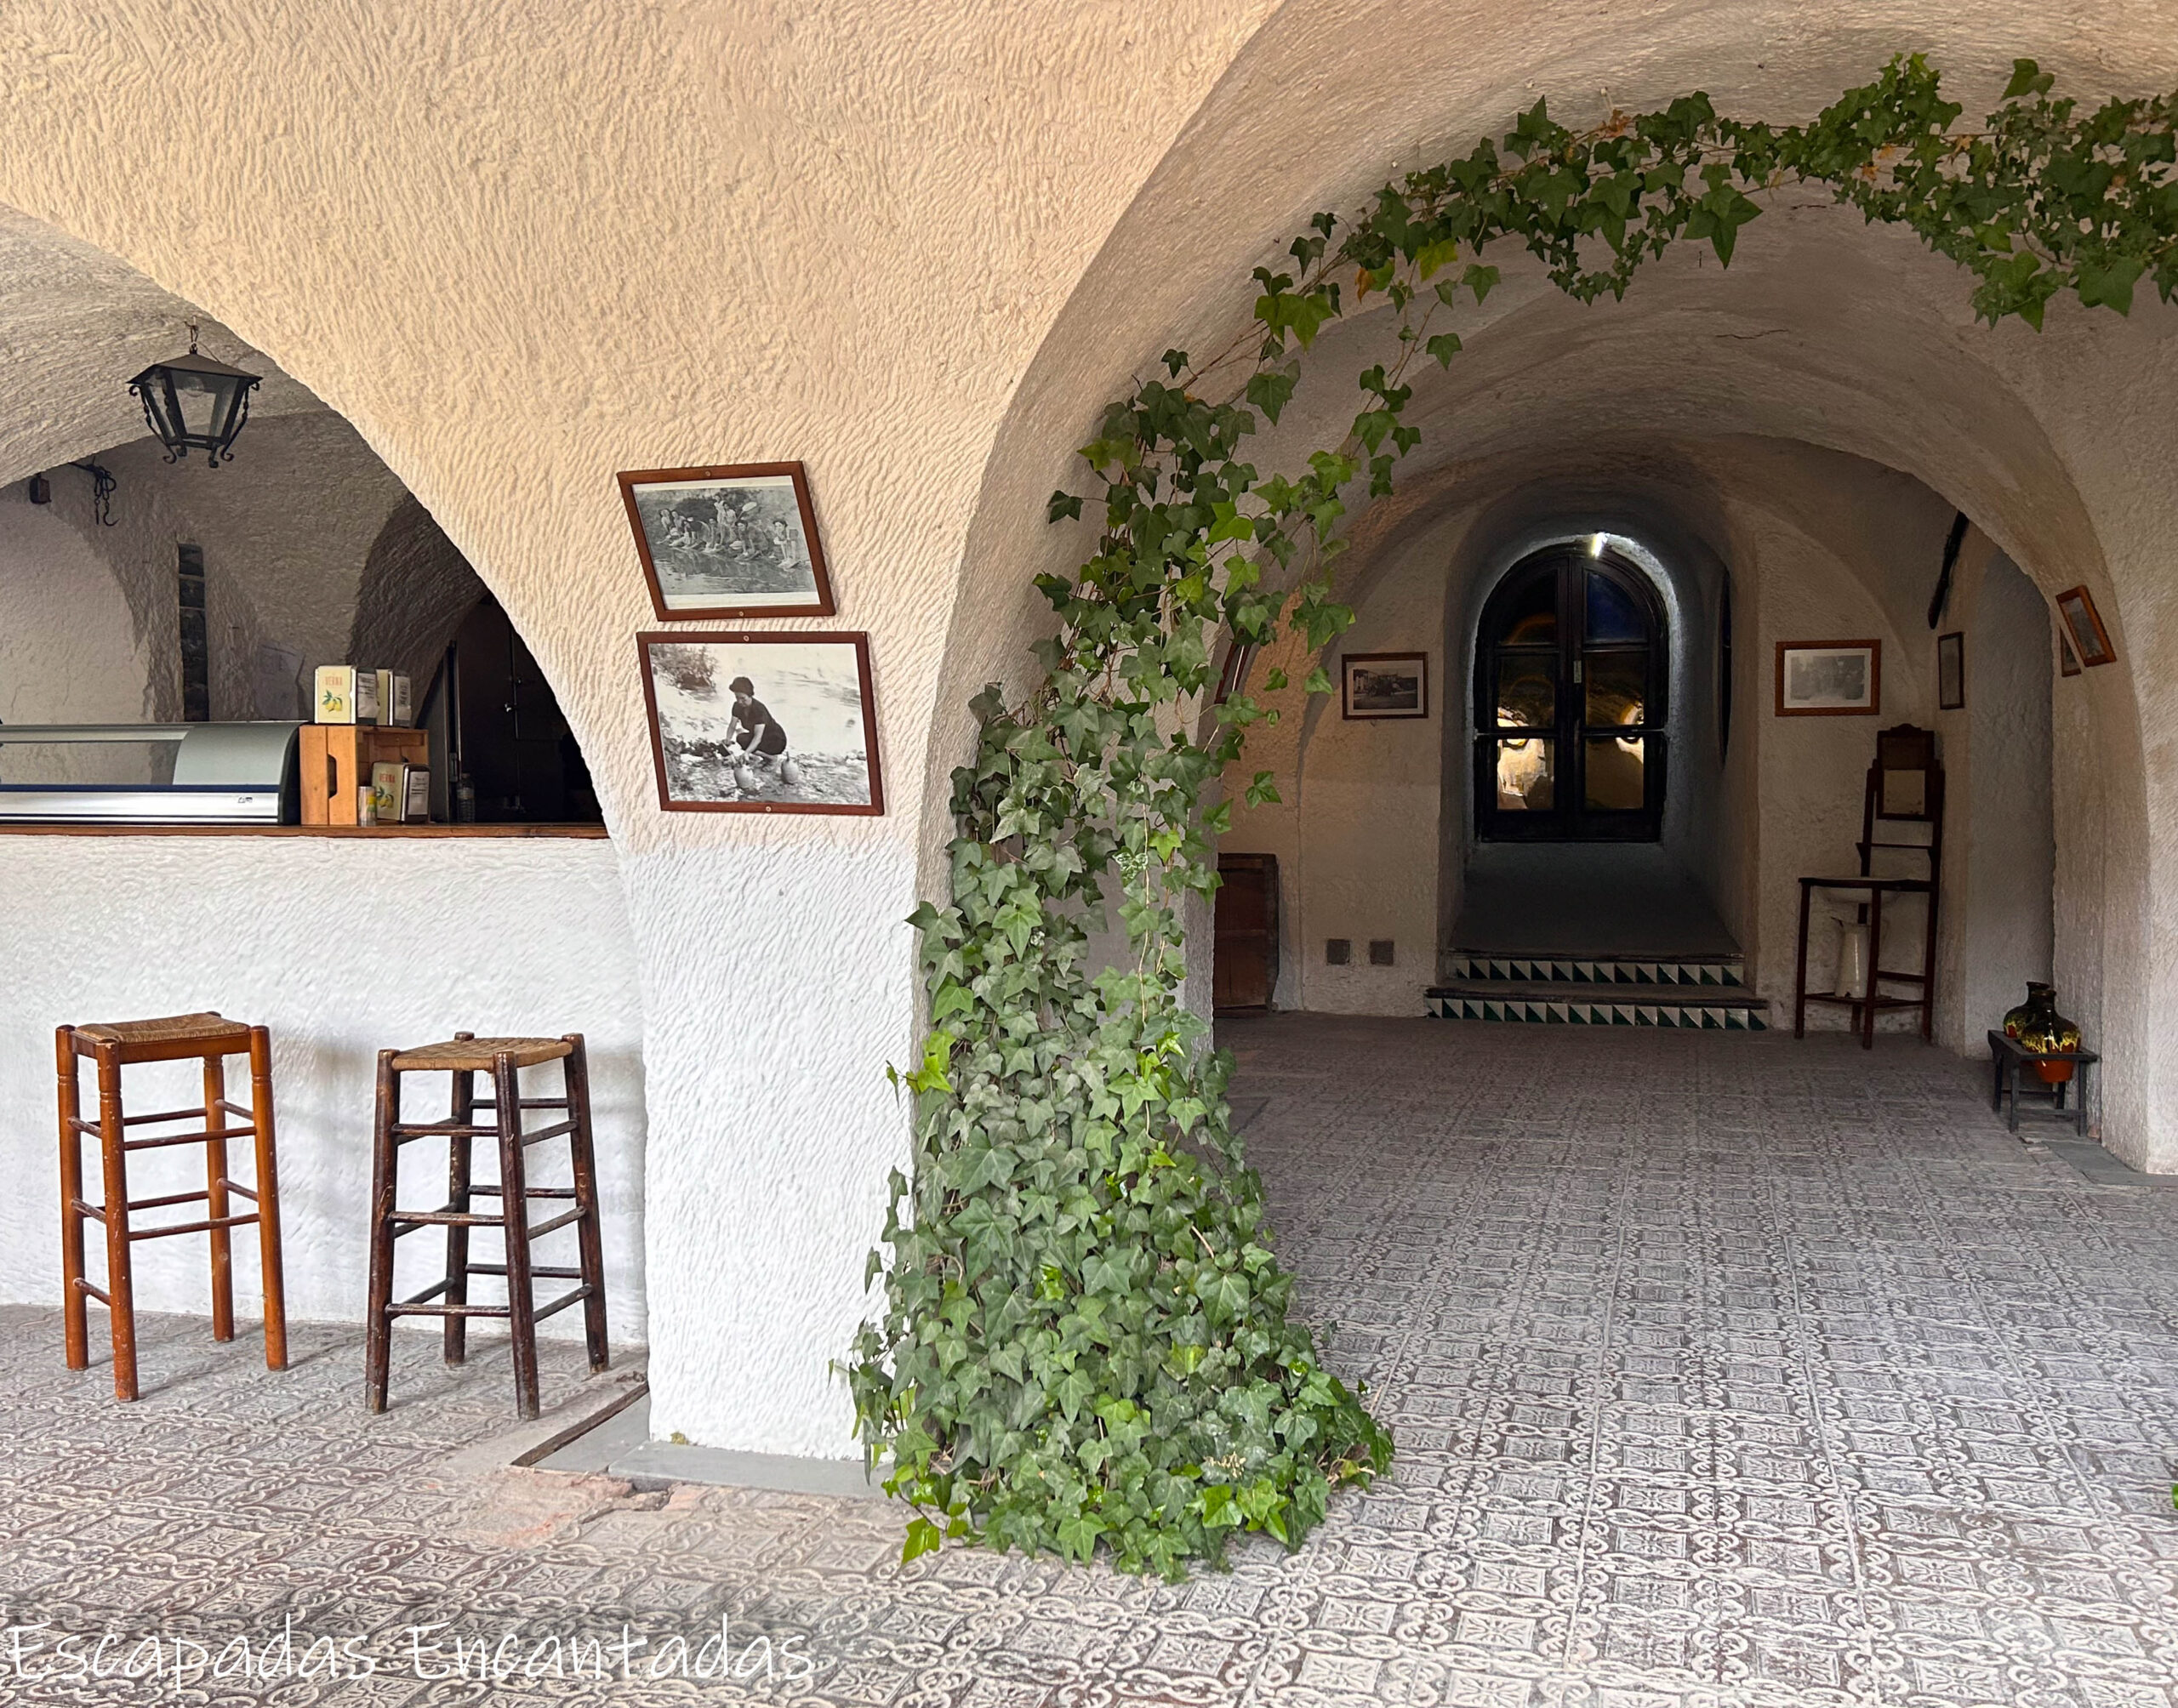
point(1613, 615)
point(1532, 619)
point(1527, 690)
point(1617, 685)
point(1526, 781)
point(1615, 774)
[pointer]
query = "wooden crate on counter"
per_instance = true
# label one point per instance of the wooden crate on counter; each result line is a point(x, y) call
point(336, 762)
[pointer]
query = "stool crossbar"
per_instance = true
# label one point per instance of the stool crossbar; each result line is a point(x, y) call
point(503, 1058)
point(212, 1039)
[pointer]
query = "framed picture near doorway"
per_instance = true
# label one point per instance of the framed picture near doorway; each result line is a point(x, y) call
point(1384, 685)
point(2083, 627)
point(1829, 679)
point(761, 723)
point(1951, 671)
point(735, 541)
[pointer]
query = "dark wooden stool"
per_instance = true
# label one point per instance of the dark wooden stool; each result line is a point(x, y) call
point(503, 1058)
point(2011, 1058)
point(179, 1037)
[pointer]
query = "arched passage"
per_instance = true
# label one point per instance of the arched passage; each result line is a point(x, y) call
point(305, 548)
point(1784, 365)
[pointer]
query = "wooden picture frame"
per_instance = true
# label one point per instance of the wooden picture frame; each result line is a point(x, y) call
point(1378, 689)
point(1816, 679)
point(819, 679)
point(2082, 623)
point(1951, 671)
point(736, 540)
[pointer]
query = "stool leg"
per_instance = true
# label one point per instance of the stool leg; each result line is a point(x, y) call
point(1800, 979)
point(271, 1265)
point(576, 1067)
point(460, 1156)
point(378, 1323)
point(121, 1292)
point(514, 1203)
point(1867, 1017)
point(75, 1307)
point(215, 1200)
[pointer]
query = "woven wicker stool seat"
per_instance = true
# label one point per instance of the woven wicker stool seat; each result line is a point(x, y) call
point(211, 1039)
point(464, 1056)
point(480, 1055)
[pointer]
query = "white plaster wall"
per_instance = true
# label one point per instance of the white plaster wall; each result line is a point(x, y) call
point(2000, 858)
point(1811, 772)
point(342, 948)
point(1368, 803)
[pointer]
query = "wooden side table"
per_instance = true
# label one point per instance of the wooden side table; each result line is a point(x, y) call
point(2009, 1056)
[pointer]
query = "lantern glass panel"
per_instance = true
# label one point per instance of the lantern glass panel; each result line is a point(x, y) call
point(203, 398)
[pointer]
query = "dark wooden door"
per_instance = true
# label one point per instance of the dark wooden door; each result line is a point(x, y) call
point(507, 735)
point(1245, 970)
point(1571, 672)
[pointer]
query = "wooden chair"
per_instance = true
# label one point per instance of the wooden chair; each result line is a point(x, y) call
point(465, 1057)
point(1905, 785)
point(181, 1037)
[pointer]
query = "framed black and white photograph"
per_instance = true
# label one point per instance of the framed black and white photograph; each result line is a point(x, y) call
point(728, 542)
point(1385, 685)
point(2083, 627)
point(1829, 679)
point(761, 723)
point(1951, 672)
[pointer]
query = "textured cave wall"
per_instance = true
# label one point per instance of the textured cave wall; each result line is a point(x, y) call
point(521, 251)
point(69, 649)
point(415, 589)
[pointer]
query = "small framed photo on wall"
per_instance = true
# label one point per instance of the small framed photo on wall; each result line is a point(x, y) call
point(761, 723)
point(1829, 679)
point(1384, 685)
point(2083, 627)
point(1951, 672)
point(738, 541)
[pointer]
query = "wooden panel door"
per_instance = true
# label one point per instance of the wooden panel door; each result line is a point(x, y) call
point(1246, 969)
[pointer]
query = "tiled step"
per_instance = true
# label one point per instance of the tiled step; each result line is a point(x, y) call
point(1466, 966)
point(1552, 1003)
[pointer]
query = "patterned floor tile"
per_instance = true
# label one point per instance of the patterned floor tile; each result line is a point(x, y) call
point(1727, 1373)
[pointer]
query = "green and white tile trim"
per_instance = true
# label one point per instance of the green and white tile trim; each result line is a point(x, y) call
point(1593, 1011)
point(1719, 971)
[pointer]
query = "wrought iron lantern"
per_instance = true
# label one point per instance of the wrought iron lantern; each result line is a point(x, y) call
point(195, 403)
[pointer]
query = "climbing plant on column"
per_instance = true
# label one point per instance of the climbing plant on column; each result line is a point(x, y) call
point(1087, 1342)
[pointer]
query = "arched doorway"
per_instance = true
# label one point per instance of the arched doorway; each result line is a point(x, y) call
point(1572, 669)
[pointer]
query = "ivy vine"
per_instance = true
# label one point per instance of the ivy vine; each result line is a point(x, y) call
point(1087, 1342)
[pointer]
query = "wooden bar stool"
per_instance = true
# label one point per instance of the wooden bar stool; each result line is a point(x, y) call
point(466, 1057)
point(179, 1037)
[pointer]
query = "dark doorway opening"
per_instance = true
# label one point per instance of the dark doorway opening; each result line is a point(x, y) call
point(1572, 670)
point(501, 749)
